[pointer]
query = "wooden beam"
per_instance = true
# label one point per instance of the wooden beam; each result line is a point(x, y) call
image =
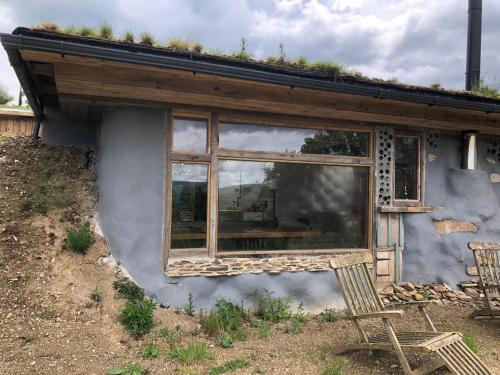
point(42, 69)
point(346, 101)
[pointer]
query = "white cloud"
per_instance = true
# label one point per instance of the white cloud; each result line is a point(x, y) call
point(417, 41)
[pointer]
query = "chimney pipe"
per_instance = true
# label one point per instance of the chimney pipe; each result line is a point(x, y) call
point(473, 72)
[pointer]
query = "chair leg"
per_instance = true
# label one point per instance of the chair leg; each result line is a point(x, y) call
point(397, 347)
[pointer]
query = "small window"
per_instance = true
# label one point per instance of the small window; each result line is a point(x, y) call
point(190, 135)
point(293, 140)
point(189, 205)
point(407, 162)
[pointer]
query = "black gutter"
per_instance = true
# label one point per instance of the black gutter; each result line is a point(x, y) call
point(10, 41)
point(34, 98)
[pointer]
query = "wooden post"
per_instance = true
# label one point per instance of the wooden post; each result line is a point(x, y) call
point(167, 216)
point(214, 184)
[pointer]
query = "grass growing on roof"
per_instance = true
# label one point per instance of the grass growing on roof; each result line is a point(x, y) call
point(47, 26)
point(106, 31)
point(87, 31)
point(147, 39)
point(128, 37)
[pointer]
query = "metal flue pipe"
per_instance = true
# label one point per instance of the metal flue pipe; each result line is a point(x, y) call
point(473, 69)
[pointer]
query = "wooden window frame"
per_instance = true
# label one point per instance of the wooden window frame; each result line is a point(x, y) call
point(215, 154)
point(419, 202)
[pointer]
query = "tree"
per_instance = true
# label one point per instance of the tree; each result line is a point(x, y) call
point(4, 95)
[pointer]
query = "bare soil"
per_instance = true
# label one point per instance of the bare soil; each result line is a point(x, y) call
point(49, 324)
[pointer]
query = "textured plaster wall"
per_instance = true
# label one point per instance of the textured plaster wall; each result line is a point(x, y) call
point(59, 129)
point(131, 183)
point(466, 196)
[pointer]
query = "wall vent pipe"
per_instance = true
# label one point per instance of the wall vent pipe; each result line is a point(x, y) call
point(473, 69)
point(469, 150)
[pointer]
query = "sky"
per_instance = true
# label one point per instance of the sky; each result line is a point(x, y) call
point(416, 41)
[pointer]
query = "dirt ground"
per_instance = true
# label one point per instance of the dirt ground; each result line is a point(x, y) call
point(49, 324)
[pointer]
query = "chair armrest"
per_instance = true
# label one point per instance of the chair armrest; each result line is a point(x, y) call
point(379, 315)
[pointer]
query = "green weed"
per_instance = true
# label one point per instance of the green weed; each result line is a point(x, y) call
point(225, 341)
point(137, 317)
point(263, 327)
point(96, 295)
point(133, 369)
point(151, 351)
point(189, 306)
point(337, 367)
point(79, 239)
point(129, 290)
point(273, 309)
point(469, 339)
point(329, 315)
point(173, 336)
point(229, 366)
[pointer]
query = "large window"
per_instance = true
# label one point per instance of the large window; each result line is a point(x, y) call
point(290, 206)
point(265, 188)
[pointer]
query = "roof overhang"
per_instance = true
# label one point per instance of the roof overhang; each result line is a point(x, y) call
point(487, 110)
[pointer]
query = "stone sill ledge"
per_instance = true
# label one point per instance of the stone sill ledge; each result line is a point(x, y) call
point(408, 209)
point(214, 267)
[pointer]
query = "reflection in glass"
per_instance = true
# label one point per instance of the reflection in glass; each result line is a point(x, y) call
point(406, 168)
point(189, 205)
point(190, 135)
point(286, 206)
point(293, 140)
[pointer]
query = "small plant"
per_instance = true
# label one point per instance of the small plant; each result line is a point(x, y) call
point(71, 29)
point(197, 47)
point(128, 37)
point(329, 315)
point(273, 309)
point(79, 239)
point(129, 290)
point(470, 340)
point(133, 369)
point(192, 353)
point(230, 366)
point(189, 306)
point(63, 201)
point(96, 295)
point(86, 31)
point(337, 367)
point(263, 327)
point(240, 335)
point(137, 317)
point(147, 39)
point(177, 43)
point(225, 341)
point(436, 86)
point(173, 336)
point(295, 327)
point(210, 323)
point(271, 59)
point(106, 31)
point(230, 315)
point(242, 55)
point(151, 352)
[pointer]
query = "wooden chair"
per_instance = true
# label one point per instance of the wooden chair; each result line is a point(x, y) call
point(487, 258)
point(363, 302)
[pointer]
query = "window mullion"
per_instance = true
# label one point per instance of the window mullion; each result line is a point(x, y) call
point(214, 184)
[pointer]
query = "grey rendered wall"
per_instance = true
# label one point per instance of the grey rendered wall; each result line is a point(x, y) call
point(466, 196)
point(59, 129)
point(131, 179)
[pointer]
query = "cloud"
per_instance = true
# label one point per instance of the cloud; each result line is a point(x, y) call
point(416, 41)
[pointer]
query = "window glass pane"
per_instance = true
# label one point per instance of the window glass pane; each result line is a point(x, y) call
point(189, 205)
point(406, 163)
point(293, 140)
point(190, 135)
point(286, 206)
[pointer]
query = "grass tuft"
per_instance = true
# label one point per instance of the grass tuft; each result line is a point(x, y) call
point(96, 295)
point(79, 239)
point(225, 341)
point(337, 367)
point(128, 37)
point(470, 340)
point(87, 31)
point(191, 353)
point(147, 39)
point(329, 315)
point(173, 336)
point(133, 369)
point(106, 31)
point(242, 55)
point(137, 317)
point(71, 29)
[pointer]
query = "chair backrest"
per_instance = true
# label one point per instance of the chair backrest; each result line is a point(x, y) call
point(487, 257)
point(356, 283)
